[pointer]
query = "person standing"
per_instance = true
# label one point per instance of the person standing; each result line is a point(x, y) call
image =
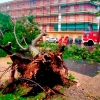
point(65, 40)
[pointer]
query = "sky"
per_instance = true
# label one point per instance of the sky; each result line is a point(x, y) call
point(1, 1)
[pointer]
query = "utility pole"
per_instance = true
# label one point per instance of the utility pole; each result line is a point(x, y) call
point(99, 31)
point(99, 24)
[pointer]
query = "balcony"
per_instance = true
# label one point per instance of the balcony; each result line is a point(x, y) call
point(55, 11)
point(63, 20)
point(47, 3)
point(62, 1)
point(44, 4)
point(63, 10)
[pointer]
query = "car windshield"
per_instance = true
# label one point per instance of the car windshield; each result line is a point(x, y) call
point(51, 38)
point(86, 34)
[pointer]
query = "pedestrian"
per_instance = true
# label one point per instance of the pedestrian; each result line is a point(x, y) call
point(60, 41)
point(65, 42)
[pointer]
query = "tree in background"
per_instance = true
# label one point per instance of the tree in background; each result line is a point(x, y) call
point(5, 23)
point(98, 12)
point(26, 29)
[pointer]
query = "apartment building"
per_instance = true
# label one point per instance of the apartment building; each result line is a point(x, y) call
point(58, 17)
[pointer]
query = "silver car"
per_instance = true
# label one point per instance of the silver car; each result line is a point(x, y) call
point(52, 40)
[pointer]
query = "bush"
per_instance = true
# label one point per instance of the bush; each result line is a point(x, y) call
point(2, 53)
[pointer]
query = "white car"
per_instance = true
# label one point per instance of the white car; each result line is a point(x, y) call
point(52, 40)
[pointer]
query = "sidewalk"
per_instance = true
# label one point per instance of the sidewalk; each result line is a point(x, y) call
point(88, 88)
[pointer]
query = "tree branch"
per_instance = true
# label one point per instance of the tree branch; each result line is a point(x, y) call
point(39, 37)
point(1, 32)
point(25, 49)
point(7, 48)
point(24, 41)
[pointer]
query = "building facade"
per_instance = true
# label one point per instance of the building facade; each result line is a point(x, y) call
point(58, 17)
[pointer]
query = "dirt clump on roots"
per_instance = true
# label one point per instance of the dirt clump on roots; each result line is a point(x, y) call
point(42, 73)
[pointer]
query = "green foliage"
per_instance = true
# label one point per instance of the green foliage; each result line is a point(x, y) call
point(82, 53)
point(98, 12)
point(71, 77)
point(95, 0)
point(10, 63)
point(25, 31)
point(9, 37)
point(67, 86)
point(46, 46)
point(40, 96)
point(96, 55)
point(73, 52)
point(2, 53)
point(9, 97)
point(17, 96)
point(5, 22)
point(57, 98)
point(1, 98)
point(21, 90)
point(30, 19)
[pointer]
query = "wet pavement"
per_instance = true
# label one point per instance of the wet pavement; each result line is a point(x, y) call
point(87, 88)
point(83, 67)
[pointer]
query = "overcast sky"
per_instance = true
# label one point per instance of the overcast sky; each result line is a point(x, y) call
point(1, 1)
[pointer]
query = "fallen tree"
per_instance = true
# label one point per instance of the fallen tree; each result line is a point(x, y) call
point(45, 70)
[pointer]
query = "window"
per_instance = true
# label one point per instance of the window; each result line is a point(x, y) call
point(0, 8)
point(47, 18)
point(71, 18)
point(80, 7)
point(56, 1)
point(71, 0)
point(63, 0)
point(8, 7)
point(32, 3)
point(72, 8)
point(81, 18)
point(98, 8)
point(17, 5)
point(22, 4)
point(41, 2)
point(94, 34)
point(48, 1)
point(41, 10)
point(63, 9)
point(87, 34)
point(48, 9)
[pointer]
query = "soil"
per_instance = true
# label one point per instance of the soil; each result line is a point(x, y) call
point(3, 67)
point(86, 89)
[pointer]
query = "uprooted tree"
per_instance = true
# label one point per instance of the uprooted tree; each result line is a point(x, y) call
point(42, 72)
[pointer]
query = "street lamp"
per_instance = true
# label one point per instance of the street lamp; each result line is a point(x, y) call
point(99, 31)
point(99, 24)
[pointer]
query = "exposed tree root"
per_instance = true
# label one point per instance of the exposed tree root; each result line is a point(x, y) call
point(42, 73)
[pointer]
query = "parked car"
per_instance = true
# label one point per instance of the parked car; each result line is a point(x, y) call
point(70, 40)
point(52, 40)
point(78, 40)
